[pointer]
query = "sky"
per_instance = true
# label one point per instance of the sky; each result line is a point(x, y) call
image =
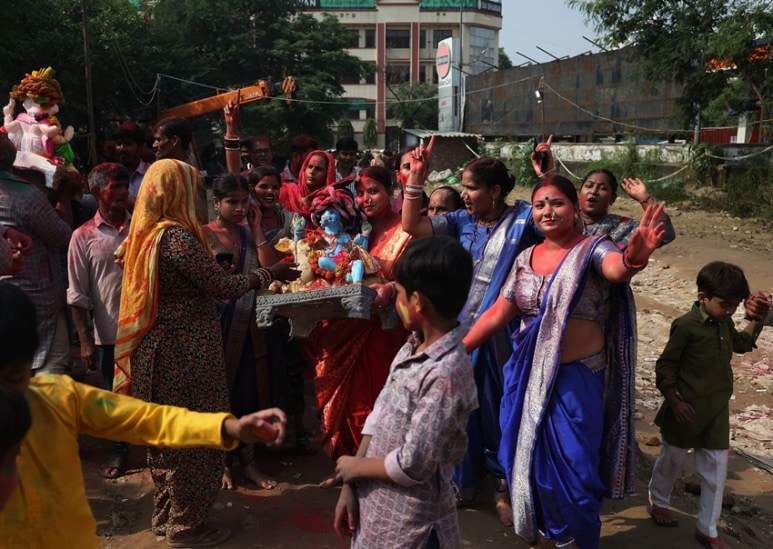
point(549, 24)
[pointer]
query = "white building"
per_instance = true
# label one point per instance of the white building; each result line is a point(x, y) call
point(401, 37)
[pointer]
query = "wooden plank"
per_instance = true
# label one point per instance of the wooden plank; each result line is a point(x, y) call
point(207, 105)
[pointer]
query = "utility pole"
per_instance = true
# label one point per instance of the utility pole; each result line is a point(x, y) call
point(92, 137)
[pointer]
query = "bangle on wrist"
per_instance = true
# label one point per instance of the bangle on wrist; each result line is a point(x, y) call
point(265, 276)
point(230, 148)
point(631, 266)
point(230, 142)
point(646, 200)
point(229, 136)
point(263, 243)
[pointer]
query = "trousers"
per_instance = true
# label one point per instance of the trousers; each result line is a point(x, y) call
point(712, 468)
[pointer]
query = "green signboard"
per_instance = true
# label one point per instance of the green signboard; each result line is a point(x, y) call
point(346, 4)
point(449, 4)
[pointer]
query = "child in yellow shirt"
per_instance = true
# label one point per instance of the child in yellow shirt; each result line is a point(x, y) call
point(49, 507)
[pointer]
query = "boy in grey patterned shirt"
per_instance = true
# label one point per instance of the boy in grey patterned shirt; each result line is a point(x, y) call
point(397, 490)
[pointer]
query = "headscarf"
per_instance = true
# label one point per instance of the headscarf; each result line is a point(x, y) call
point(166, 199)
point(332, 197)
point(298, 198)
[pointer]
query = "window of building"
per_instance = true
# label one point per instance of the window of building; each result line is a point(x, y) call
point(440, 34)
point(397, 73)
point(370, 78)
point(483, 53)
point(422, 39)
point(360, 109)
point(370, 38)
point(398, 38)
point(349, 79)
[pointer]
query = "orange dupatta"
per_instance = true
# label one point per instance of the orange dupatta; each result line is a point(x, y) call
point(166, 199)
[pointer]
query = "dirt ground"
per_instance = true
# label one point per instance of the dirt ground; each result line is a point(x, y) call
point(299, 514)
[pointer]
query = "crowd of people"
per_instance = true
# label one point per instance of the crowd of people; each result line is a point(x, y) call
point(514, 357)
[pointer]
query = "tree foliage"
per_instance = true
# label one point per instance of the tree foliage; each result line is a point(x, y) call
point(504, 60)
point(370, 133)
point(415, 105)
point(706, 45)
point(199, 46)
point(345, 128)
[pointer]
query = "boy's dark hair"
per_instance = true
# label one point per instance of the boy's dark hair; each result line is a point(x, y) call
point(15, 417)
point(18, 327)
point(439, 268)
point(723, 280)
point(346, 144)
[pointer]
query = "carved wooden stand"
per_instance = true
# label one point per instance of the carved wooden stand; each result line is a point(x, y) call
point(305, 309)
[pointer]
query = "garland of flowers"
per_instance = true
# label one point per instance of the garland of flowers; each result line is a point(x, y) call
point(343, 258)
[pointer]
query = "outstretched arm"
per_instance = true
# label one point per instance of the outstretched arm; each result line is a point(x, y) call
point(266, 426)
point(621, 267)
point(499, 314)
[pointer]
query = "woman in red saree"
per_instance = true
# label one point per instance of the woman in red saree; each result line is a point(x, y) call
point(352, 356)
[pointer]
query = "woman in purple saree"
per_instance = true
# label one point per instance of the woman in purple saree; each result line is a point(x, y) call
point(566, 415)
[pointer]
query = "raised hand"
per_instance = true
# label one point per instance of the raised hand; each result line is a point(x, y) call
point(542, 157)
point(635, 188)
point(647, 236)
point(231, 113)
point(420, 159)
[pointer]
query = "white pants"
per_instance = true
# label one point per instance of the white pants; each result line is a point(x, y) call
point(712, 468)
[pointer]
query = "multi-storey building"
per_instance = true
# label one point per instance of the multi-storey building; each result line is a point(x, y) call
point(401, 38)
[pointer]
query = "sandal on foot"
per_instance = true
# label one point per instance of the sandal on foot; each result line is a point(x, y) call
point(207, 537)
point(115, 466)
point(661, 516)
point(711, 543)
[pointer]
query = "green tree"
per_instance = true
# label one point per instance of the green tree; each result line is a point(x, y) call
point(415, 105)
point(504, 61)
point(706, 45)
point(228, 43)
point(345, 128)
point(120, 55)
point(370, 133)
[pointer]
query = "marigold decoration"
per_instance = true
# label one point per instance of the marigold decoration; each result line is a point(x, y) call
point(40, 86)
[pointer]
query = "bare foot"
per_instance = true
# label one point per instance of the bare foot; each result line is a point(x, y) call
point(251, 472)
point(228, 481)
point(329, 482)
point(503, 508)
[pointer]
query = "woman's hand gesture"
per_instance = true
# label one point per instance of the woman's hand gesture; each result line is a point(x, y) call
point(231, 114)
point(420, 158)
point(646, 238)
point(636, 189)
point(542, 158)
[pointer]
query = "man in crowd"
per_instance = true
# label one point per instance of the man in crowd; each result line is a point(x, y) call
point(172, 139)
point(129, 141)
point(95, 282)
point(299, 147)
point(25, 208)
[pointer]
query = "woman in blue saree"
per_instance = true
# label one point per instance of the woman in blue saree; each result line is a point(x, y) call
point(567, 407)
point(494, 233)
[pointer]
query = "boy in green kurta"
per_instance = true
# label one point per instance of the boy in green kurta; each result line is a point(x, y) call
point(696, 379)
